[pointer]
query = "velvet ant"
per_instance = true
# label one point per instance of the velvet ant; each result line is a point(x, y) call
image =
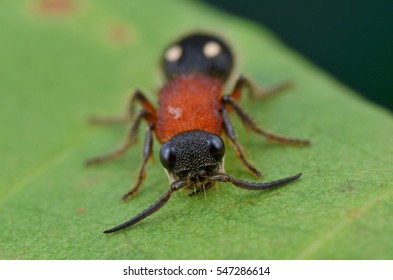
point(192, 113)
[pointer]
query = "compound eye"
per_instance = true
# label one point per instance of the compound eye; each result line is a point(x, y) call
point(216, 147)
point(168, 156)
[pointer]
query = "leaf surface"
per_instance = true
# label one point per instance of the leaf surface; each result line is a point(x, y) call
point(60, 65)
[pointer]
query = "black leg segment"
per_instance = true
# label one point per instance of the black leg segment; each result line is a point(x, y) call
point(147, 152)
point(230, 132)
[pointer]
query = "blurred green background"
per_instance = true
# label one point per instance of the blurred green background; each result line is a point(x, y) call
point(64, 60)
point(353, 40)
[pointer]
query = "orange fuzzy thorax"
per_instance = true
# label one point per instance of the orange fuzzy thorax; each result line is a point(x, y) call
point(189, 102)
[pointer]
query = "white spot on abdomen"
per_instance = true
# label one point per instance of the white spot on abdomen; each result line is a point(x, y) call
point(173, 53)
point(211, 49)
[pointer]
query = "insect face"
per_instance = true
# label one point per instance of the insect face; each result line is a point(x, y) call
point(198, 53)
point(193, 155)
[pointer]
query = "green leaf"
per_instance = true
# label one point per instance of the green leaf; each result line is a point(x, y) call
point(60, 65)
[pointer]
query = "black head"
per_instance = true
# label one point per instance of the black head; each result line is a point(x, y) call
point(198, 52)
point(193, 155)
